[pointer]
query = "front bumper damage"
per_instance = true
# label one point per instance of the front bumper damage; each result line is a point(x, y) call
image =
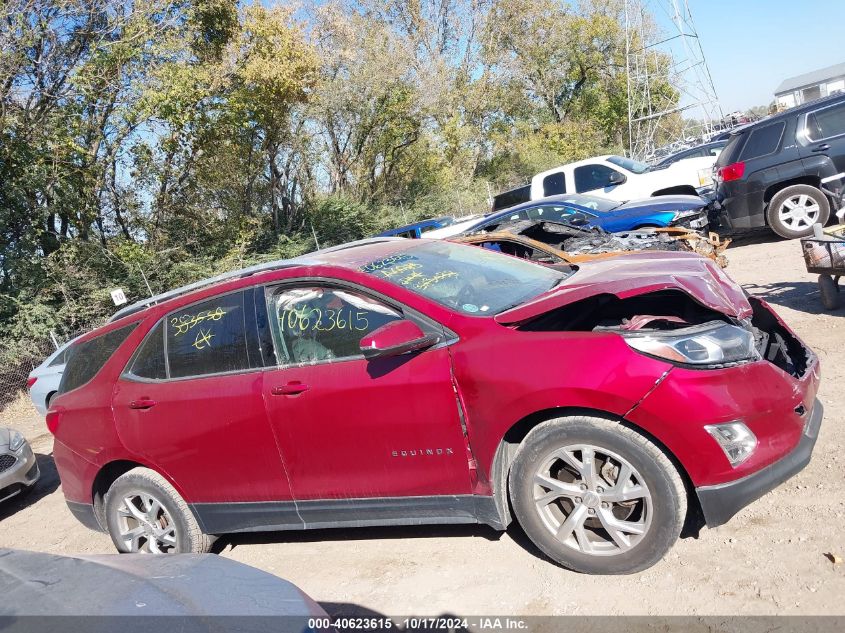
point(721, 502)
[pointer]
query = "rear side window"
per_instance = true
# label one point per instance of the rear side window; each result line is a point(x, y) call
point(554, 184)
point(208, 337)
point(763, 141)
point(512, 198)
point(149, 361)
point(85, 359)
point(825, 123)
point(59, 360)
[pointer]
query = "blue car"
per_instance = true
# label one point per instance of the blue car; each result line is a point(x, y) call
point(593, 212)
point(416, 230)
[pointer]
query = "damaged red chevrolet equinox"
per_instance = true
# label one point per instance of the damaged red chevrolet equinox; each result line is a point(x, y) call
point(406, 382)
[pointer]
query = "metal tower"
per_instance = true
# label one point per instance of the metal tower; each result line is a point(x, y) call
point(671, 97)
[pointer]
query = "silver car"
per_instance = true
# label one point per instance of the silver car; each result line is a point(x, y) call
point(44, 380)
point(18, 468)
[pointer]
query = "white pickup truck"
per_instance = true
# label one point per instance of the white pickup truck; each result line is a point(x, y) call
point(614, 177)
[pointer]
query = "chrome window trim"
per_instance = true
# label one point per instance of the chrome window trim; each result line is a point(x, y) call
point(450, 337)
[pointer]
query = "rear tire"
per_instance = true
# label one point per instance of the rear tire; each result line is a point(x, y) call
point(144, 513)
point(617, 502)
point(793, 211)
point(829, 291)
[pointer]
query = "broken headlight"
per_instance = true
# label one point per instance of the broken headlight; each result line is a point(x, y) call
point(711, 344)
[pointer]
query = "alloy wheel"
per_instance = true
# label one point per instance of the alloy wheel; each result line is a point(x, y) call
point(592, 500)
point(145, 525)
point(799, 212)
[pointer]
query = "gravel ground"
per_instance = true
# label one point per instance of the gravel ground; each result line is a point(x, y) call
point(770, 559)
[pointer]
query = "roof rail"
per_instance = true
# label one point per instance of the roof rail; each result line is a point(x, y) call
point(277, 264)
point(182, 290)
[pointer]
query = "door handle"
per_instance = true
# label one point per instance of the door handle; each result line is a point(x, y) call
point(142, 403)
point(290, 389)
point(821, 148)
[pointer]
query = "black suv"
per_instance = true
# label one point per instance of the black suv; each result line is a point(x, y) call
point(771, 172)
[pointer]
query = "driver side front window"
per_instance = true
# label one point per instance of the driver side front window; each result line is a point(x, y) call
point(592, 177)
point(315, 324)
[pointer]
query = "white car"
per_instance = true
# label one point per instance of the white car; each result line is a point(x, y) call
point(619, 178)
point(18, 465)
point(43, 381)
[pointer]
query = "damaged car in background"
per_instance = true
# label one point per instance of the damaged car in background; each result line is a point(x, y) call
point(603, 406)
point(555, 243)
point(689, 212)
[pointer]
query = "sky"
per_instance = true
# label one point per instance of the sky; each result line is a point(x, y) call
point(753, 45)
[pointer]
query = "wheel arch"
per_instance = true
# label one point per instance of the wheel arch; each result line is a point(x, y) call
point(773, 189)
point(517, 432)
point(108, 474)
point(679, 190)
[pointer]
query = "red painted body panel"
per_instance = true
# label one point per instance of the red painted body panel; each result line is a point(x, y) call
point(209, 434)
point(759, 394)
point(526, 372)
point(382, 428)
point(364, 428)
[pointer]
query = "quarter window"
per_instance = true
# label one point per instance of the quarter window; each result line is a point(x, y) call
point(825, 123)
point(316, 324)
point(591, 177)
point(85, 359)
point(149, 361)
point(762, 141)
point(207, 337)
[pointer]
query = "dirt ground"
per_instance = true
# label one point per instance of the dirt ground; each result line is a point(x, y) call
point(770, 559)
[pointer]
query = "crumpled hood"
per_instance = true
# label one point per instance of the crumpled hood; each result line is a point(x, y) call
point(637, 274)
point(664, 203)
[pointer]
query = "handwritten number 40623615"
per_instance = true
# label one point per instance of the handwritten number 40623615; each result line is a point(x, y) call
point(307, 318)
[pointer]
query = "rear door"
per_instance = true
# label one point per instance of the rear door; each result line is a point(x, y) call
point(190, 404)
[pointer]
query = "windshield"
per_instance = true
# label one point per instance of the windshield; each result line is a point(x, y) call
point(631, 165)
point(591, 202)
point(468, 279)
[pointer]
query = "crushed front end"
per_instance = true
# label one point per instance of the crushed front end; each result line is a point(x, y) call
point(754, 422)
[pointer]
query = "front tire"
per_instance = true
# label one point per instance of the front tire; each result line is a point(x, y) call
point(145, 514)
point(793, 211)
point(595, 496)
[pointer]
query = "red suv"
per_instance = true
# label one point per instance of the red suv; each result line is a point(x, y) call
point(405, 382)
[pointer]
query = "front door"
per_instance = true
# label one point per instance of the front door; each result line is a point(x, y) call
point(196, 413)
point(353, 429)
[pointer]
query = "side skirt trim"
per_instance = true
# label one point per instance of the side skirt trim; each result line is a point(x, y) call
point(257, 516)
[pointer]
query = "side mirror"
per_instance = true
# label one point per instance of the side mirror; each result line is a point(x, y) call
point(617, 179)
point(395, 338)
